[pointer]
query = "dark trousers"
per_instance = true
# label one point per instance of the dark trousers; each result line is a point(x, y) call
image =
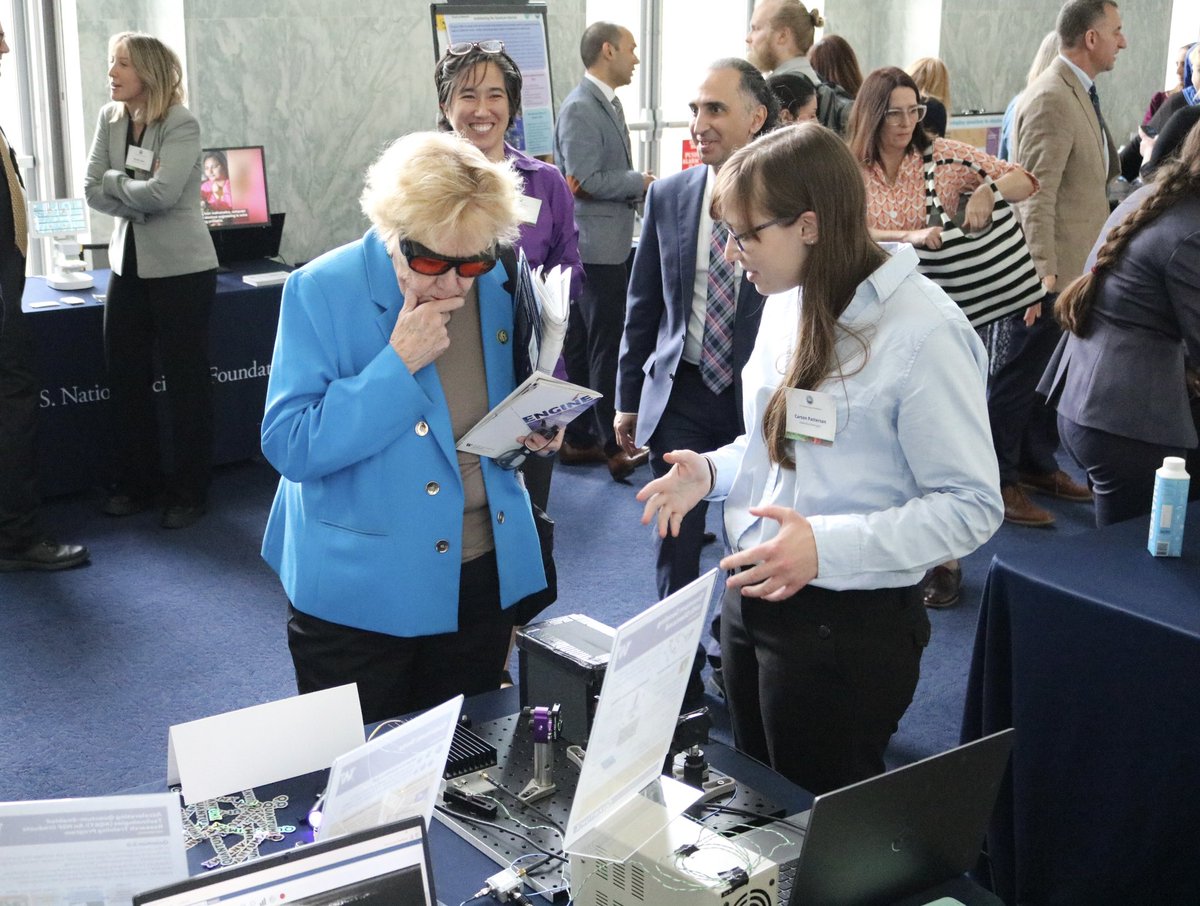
point(18, 411)
point(172, 313)
point(699, 420)
point(817, 684)
point(601, 319)
point(1119, 469)
point(582, 431)
point(1023, 426)
point(399, 675)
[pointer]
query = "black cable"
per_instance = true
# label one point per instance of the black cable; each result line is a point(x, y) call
point(744, 813)
point(533, 808)
point(482, 823)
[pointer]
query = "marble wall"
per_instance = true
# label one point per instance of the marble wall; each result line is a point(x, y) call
point(988, 47)
point(322, 88)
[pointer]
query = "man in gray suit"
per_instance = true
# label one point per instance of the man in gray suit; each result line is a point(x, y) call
point(22, 545)
point(1060, 137)
point(591, 146)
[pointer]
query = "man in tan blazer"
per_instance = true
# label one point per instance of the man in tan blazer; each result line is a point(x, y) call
point(1060, 137)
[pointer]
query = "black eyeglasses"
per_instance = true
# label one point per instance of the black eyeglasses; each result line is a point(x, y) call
point(739, 238)
point(462, 48)
point(433, 264)
point(514, 459)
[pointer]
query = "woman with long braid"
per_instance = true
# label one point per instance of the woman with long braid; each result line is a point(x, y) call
point(1124, 377)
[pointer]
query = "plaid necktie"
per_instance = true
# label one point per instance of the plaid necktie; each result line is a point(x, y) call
point(716, 354)
point(19, 215)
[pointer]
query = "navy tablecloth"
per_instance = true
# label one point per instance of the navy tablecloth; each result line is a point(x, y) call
point(1090, 648)
point(73, 435)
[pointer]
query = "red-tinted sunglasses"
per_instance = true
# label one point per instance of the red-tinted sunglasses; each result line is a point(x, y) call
point(431, 264)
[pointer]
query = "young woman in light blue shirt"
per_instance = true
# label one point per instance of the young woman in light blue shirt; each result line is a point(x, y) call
point(867, 459)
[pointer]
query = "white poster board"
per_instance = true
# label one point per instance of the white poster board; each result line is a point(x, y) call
point(522, 28)
point(621, 799)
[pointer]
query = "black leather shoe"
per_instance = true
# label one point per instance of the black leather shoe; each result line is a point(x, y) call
point(181, 516)
point(580, 456)
point(621, 465)
point(121, 504)
point(45, 556)
point(941, 586)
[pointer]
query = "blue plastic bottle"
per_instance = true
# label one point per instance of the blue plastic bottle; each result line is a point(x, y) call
point(1169, 509)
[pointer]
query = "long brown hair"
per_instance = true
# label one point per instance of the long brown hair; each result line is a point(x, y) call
point(785, 173)
point(870, 107)
point(834, 60)
point(1180, 178)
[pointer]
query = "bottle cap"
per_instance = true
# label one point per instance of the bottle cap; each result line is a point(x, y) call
point(1174, 467)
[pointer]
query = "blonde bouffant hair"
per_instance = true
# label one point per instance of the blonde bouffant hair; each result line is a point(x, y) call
point(428, 185)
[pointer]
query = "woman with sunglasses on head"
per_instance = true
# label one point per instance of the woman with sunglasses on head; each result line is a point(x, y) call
point(888, 141)
point(833, 525)
point(479, 97)
point(144, 169)
point(401, 556)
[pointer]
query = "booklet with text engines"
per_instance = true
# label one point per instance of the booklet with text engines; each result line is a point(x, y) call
point(541, 403)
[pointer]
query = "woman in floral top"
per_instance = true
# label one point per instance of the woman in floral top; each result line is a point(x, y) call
point(887, 140)
point(889, 144)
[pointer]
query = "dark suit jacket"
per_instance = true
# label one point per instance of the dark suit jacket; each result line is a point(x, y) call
point(660, 302)
point(1058, 139)
point(1126, 376)
point(592, 150)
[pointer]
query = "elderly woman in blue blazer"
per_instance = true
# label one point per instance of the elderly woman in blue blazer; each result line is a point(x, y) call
point(144, 170)
point(1124, 377)
point(401, 555)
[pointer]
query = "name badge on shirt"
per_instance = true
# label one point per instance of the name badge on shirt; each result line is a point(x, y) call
point(811, 417)
point(138, 158)
point(530, 208)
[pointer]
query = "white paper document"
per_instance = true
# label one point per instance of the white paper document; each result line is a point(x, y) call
point(396, 775)
point(541, 402)
point(100, 851)
point(621, 799)
point(553, 290)
point(217, 755)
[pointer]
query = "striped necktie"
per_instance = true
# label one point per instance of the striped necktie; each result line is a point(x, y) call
point(1096, 106)
point(620, 110)
point(716, 353)
point(17, 194)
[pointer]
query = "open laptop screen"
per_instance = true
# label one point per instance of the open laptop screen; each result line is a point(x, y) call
point(383, 866)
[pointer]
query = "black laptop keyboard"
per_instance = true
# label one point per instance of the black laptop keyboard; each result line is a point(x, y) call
point(787, 879)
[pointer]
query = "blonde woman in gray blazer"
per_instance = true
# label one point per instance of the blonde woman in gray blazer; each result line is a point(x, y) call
point(144, 170)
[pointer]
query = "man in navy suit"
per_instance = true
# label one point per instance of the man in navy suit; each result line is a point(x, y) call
point(691, 317)
point(591, 146)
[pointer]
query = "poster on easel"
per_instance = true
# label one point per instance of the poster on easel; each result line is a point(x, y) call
point(522, 28)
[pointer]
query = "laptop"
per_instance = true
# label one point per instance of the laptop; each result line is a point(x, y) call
point(386, 865)
point(893, 835)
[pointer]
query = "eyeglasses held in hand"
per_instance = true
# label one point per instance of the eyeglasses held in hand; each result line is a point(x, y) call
point(897, 115)
point(514, 459)
point(739, 238)
point(462, 48)
point(431, 264)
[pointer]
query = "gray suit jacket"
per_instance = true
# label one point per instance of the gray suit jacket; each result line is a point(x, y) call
point(1057, 138)
point(592, 150)
point(1126, 376)
point(161, 206)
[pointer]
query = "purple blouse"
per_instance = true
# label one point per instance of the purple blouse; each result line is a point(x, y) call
point(554, 239)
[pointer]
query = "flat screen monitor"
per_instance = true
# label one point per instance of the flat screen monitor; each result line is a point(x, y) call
point(233, 188)
point(387, 865)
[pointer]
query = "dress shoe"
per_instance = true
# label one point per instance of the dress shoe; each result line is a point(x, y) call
point(941, 586)
point(44, 555)
point(1020, 510)
point(122, 504)
point(621, 464)
point(709, 538)
point(580, 456)
point(1057, 484)
point(182, 515)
